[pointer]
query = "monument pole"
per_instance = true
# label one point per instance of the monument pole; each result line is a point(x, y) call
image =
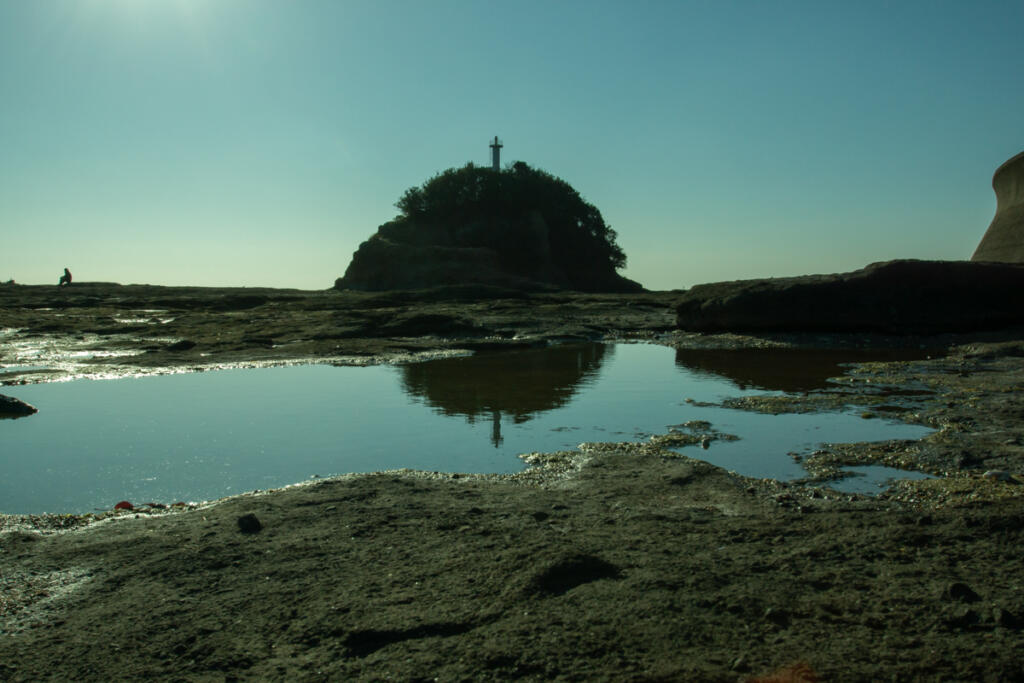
point(496, 154)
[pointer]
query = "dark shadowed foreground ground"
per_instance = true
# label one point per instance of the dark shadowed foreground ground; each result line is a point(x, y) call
point(616, 562)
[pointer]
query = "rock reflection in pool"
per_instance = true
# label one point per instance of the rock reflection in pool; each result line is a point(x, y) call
point(206, 435)
point(517, 385)
point(787, 369)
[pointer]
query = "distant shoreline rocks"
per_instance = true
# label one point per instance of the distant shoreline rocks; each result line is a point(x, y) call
point(896, 297)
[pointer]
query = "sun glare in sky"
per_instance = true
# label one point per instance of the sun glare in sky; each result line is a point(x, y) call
point(143, 14)
point(258, 143)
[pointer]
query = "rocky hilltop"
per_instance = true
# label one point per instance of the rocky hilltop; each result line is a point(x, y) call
point(520, 228)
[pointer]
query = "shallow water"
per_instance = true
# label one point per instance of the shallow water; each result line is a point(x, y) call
point(207, 435)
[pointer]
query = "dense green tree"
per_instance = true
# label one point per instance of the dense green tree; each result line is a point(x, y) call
point(502, 210)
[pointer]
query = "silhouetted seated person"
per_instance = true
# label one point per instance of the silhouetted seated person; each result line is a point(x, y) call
point(65, 279)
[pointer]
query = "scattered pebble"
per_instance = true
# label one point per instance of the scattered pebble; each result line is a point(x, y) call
point(249, 524)
point(959, 591)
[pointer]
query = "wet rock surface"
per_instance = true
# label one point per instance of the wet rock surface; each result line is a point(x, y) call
point(641, 566)
point(98, 329)
point(614, 561)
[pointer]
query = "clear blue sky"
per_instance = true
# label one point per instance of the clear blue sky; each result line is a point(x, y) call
point(257, 142)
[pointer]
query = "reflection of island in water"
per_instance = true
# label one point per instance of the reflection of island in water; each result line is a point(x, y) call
point(516, 384)
point(789, 370)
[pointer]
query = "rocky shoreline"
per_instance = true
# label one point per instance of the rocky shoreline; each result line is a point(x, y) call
point(615, 562)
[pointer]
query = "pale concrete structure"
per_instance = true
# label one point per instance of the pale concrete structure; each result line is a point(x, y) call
point(1004, 239)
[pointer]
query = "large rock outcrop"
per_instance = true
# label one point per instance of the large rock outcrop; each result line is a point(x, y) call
point(898, 297)
point(410, 255)
point(1004, 239)
point(518, 228)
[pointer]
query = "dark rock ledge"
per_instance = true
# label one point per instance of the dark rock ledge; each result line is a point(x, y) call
point(12, 407)
point(900, 297)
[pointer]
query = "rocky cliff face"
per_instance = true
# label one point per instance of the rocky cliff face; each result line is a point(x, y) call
point(1004, 239)
point(901, 297)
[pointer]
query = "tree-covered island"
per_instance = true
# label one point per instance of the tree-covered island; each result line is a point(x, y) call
point(518, 227)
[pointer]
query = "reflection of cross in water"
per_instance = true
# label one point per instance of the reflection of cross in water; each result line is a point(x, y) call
point(496, 437)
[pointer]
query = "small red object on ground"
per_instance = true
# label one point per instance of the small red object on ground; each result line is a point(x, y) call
point(124, 505)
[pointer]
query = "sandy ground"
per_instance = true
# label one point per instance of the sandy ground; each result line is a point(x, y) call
point(614, 562)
